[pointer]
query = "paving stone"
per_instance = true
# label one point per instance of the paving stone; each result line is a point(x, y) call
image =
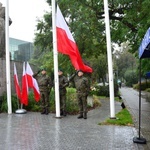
point(33, 131)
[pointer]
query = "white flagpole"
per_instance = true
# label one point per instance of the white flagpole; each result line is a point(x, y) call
point(55, 55)
point(8, 81)
point(109, 58)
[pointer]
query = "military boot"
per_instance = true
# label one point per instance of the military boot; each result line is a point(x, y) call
point(64, 113)
point(80, 116)
point(85, 115)
point(61, 112)
point(46, 111)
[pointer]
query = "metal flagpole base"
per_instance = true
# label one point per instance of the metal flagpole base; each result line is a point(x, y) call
point(20, 111)
point(57, 117)
point(139, 140)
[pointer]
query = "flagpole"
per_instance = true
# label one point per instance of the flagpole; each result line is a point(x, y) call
point(55, 55)
point(8, 81)
point(109, 58)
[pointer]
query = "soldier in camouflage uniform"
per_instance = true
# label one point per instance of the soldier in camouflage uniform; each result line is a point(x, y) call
point(63, 83)
point(45, 85)
point(82, 86)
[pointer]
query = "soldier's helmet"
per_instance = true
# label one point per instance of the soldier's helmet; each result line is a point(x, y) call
point(79, 72)
point(60, 70)
point(43, 69)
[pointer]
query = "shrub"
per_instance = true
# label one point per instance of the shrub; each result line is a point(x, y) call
point(103, 90)
point(71, 102)
point(32, 104)
point(131, 77)
point(96, 101)
point(4, 107)
point(148, 90)
point(144, 86)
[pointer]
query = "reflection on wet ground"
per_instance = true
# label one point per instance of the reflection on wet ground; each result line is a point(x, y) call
point(33, 131)
point(131, 98)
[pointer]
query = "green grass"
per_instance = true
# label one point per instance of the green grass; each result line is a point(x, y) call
point(123, 118)
point(117, 99)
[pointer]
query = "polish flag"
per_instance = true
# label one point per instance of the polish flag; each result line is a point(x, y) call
point(17, 87)
point(32, 83)
point(36, 90)
point(29, 74)
point(66, 44)
point(24, 98)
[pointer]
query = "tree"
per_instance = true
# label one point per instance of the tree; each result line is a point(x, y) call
point(100, 68)
point(129, 21)
point(124, 61)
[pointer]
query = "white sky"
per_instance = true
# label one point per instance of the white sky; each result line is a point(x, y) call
point(24, 14)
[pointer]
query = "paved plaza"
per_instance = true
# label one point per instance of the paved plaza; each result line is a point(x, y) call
point(33, 131)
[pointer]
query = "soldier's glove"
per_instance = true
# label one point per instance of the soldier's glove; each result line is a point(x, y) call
point(72, 76)
point(65, 85)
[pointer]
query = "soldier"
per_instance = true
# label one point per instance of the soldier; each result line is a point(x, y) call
point(83, 87)
point(45, 85)
point(63, 83)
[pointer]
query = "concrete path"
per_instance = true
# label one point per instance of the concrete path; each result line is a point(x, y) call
point(33, 131)
point(131, 99)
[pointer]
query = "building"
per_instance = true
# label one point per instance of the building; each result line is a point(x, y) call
point(20, 50)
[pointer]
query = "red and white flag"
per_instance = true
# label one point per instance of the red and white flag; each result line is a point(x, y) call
point(17, 87)
point(32, 83)
point(36, 90)
point(24, 98)
point(29, 74)
point(66, 44)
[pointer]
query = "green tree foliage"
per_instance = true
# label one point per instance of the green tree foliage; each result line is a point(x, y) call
point(100, 68)
point(125, 62)
point(145, 66)
point(131, 77)
point(129, 20)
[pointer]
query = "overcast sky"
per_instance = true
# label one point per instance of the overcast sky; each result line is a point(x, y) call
point(24, 14)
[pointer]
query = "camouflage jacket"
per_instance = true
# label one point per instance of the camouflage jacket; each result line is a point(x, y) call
point(44, 82)
point(82, 84)
point(63, 83)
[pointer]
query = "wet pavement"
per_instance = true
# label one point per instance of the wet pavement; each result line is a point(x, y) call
point(33, 131)
point(131, 99)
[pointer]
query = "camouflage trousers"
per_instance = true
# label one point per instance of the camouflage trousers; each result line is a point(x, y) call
point(82, 102)
point(44, 99)
point(63, 102)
